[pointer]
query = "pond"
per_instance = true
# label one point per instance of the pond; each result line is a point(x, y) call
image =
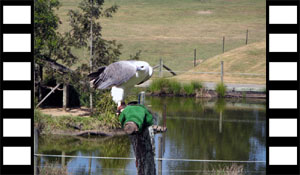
point(198, 129)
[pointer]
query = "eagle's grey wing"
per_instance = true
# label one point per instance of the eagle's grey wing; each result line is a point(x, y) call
point(115, 74)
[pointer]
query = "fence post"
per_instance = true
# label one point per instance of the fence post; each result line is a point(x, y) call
point(65, 96)
point(223, 44)
point(247, 37)
point(222, 73)
point(160, 155)
point(161, 63)
point(195, 57)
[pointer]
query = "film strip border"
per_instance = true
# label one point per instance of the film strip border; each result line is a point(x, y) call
point(282, 87)
point(17, 86)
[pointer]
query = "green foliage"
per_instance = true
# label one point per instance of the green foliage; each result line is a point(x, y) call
point(104, 51)
point(221, 89)
point(172, 86)
point(105, 109)
point(175, 87)
point(159, 84)
point(48, 123)
point(188, 89)
point(104, 103)
point(49, 44)
point(197, 85)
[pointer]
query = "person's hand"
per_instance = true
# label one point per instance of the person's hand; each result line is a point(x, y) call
point(130, 128)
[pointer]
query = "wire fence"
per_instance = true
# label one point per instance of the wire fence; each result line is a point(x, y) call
point(217, 73)
point(160, 159)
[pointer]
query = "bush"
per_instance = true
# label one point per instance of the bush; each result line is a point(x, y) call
point(188, 89)
point(158, 84)
point(162, 84)
point(221, 89)
point(197, 85)
point(175, 87)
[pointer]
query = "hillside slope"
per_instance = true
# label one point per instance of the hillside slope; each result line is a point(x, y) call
point(247, 59)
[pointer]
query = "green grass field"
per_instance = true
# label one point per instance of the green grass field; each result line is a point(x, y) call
point(172, 29)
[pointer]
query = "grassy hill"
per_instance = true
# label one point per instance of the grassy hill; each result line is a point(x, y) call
point(172, 29)
point(247, 59)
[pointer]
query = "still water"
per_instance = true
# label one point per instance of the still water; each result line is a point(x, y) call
point(197, 129)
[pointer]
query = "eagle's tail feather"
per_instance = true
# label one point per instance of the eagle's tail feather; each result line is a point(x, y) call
point(94, 75)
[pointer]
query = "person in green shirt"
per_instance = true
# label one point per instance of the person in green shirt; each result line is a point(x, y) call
point(134, 118)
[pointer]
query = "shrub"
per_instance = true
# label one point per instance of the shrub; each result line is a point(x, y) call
point(197, 85)
point(162, 84)
point(158, 84)
point(175, 87)
point(221, 89)
point(188, 89)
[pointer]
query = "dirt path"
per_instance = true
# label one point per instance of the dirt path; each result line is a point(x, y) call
point(83, 111)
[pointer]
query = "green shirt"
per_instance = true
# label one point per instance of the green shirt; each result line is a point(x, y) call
point(138, 114)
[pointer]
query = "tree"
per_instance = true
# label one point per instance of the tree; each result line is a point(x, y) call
point(50, 46)
point(86, 29)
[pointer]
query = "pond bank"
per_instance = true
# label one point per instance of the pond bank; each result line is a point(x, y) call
point(212, 94)
point(71, 125)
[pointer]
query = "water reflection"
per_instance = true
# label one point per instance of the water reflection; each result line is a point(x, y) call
point(197, 129)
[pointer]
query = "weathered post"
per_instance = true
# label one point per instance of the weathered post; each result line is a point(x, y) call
point(195, 57)
point(222, 73)
point(223, 44)
point(65, 96)
point(161, 64)
point(142, 146)
point(247, 37)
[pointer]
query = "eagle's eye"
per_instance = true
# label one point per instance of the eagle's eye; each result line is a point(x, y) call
point(142, 67)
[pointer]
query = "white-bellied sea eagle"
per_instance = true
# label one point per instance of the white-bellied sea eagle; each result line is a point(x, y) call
point(121, 77)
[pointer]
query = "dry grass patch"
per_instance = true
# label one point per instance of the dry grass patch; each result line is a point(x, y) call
point(247, 59)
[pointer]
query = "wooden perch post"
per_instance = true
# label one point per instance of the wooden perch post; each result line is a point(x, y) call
point(142, 145)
